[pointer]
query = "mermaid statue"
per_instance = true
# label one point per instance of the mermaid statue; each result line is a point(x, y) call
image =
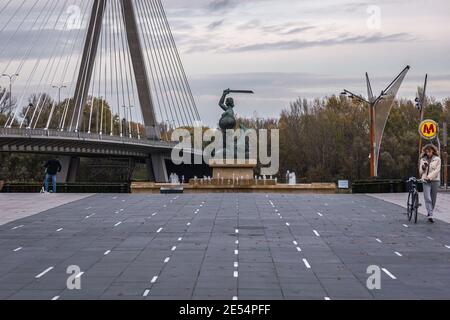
point(228, 120)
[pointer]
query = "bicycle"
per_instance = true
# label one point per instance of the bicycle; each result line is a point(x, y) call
point(413, 199)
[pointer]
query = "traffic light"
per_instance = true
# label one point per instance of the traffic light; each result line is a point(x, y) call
point(418, 104)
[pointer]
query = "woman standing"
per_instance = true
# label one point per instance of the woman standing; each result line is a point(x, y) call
point(430, 173)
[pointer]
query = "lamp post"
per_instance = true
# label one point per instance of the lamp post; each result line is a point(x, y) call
point(169, 128)
point(11, 77)
point(59, 92)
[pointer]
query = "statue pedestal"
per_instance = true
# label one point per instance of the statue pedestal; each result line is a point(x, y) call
point(233, 169)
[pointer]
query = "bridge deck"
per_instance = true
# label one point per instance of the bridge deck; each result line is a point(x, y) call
point(62, 142)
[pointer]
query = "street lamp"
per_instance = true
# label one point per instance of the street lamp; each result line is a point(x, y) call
point(59, 92)
point(11, 77)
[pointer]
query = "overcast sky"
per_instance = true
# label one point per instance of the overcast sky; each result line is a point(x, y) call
point(285, 49)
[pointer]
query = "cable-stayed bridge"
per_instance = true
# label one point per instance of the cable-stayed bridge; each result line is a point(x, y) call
point(90, 78)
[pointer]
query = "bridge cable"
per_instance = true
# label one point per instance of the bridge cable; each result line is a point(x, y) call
point(156, 63)
point(76, 68)
point(161, 63)
point(84, 71)
point(54, 73)
point(50, 63)
point(6, 44)
point(126, 50)
point(180, 64)
point(33, 72)
point(115, 30)
point(170, 64)
point(157, 89)
point(50, 67)
point(5, 6)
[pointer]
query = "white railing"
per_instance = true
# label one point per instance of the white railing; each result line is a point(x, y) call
point(36, 133)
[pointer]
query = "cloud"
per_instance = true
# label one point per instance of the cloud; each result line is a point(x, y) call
point(300, 44)
point(216, 24)
point(220, 5)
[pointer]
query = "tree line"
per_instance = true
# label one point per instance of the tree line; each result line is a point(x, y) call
point(322, 140)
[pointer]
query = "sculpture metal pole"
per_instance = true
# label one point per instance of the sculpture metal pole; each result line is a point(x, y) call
point(379, 109)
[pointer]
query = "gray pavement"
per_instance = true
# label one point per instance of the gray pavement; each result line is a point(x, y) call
point(17, 206)
point(442, 211)
point(224, 247)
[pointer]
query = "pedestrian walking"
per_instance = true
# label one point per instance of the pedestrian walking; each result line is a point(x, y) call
point(430, 173)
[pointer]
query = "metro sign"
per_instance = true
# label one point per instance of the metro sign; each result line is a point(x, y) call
point(429, 129)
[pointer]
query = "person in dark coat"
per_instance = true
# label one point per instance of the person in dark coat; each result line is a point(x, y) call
point(53, 167)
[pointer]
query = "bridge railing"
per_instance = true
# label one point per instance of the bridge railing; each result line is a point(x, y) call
point(37, 133)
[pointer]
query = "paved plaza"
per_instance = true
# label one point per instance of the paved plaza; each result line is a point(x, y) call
point(221, 246)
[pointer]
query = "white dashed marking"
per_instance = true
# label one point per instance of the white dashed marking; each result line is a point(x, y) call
point(236, 252)
point(167, 260)
point(236, 264)
point(154, 279)
point(448, 247)
point(146, 293)
point(236, 274)
point(299, 249)
point(18, 249)
point(188, 224)
point(237, 231)
point(107, 252)
point(159, 230)
point(398, 253)
point(316, 233)
point(118, 224)
point(18, 227)
point(389, 274)
point(430, 238)
point(59, 230)
point(405, 225)
point(288, 224)
point(174, 248)
point(307, 265)
point(154, 214)
point(378, 240)
point(327, 299)
point(319, 214)
point(236, 242)
point(180, 239)
point(55, 298)
point(40, 275)
point(295, 243)
point(235, 299)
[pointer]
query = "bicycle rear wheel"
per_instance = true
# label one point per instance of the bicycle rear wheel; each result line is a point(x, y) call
point(416, 206)
point(410, 206)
